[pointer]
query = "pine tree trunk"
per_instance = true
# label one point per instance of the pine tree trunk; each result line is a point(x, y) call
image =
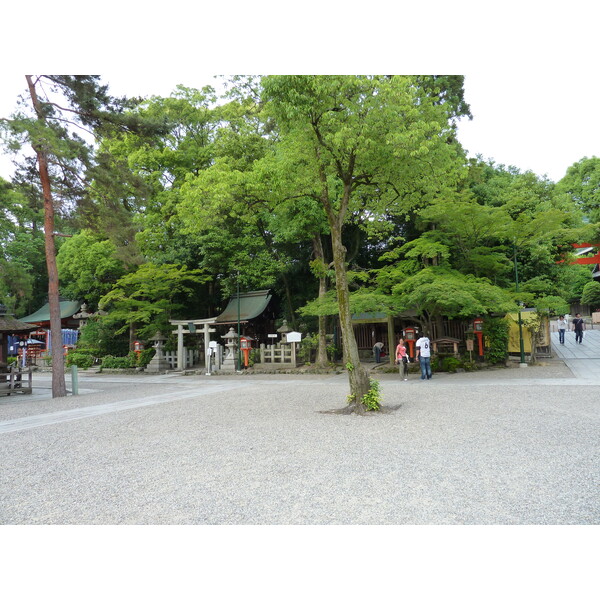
point(59, 388)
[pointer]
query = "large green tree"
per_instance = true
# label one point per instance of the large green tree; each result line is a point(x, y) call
point(366, 146)
point(144, 301)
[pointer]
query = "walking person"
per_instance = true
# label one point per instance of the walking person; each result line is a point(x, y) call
point(402, 358)
point(423, 346)
point(562, 327)
point(578, 327)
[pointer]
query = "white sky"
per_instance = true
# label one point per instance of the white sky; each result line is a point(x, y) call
point(531, 67)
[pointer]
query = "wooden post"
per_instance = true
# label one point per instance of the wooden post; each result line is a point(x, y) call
point(391, 340)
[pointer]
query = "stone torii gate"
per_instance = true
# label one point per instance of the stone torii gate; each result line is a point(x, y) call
point(196, 326)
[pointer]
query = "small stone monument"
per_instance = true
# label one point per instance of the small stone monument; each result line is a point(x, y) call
point(159, 363)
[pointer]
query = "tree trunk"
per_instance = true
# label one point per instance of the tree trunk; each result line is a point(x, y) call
point(321, 360)
point(288, 300)
point(59, 388)
point(358, 376)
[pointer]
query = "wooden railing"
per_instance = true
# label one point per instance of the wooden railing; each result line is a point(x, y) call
point(16, 381)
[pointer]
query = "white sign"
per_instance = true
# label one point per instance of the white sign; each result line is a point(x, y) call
point(294, 336)
point(272, 335)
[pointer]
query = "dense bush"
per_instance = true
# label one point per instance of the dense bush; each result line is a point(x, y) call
point(80, 359)
point(102, 338)
point(118, 362)
point(495, 330)
point(145, 357)
point(450, 364)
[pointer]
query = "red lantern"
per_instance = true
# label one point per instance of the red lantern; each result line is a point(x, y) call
point(478, 330)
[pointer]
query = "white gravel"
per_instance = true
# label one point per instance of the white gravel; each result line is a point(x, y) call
point(500, 447)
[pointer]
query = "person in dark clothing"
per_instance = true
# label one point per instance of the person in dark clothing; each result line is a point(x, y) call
point(578, 327)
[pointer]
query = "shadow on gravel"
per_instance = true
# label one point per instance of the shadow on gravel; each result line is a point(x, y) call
point(347, 410)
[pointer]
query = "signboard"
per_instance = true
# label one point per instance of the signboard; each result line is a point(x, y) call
point(272, 335)
point(294, 336)
point(470, 345)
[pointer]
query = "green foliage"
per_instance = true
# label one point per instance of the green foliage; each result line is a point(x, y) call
point(144, 357)
point(79, 359)
point(450, 364)
point(591, 294)
point(440, 291)
point(100, 338)
point(581, 185)
point(119, 362)
point(88, 267)
point(495, 330)
point(554, 305)
point(147, 297)
point(372, 399)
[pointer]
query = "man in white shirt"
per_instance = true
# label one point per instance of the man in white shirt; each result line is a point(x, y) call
point(423, 346)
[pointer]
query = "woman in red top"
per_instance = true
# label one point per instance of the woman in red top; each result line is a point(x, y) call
point(402, 358)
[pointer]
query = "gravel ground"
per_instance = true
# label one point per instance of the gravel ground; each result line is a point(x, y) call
point(510, 446)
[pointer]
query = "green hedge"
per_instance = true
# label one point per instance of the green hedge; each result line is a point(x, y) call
point(82, 360)
point(118, 362)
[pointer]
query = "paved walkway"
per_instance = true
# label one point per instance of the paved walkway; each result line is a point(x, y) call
point(583, 359)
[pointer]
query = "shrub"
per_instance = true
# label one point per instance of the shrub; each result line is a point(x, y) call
point(79, 359)
point(102, 338)
point(117, 362)
point(450, 364)
point(372, 399)
point(495, 331)
point(145, 356)
point(468, 365)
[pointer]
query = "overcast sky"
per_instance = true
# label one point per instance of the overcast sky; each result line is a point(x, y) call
point(531, 67)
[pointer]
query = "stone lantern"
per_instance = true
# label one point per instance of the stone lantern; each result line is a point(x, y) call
point(231, 344)
point(159, 363)
point(284, 330)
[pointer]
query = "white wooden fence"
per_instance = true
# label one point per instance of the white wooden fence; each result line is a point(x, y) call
point(191, 358)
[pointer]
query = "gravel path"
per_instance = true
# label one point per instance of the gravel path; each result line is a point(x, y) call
point(513, 446)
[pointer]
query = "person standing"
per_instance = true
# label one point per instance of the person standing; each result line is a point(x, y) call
point(423, 346)
point(562, 327)
point(578, 327)
point(402, 358)
point(377, 351)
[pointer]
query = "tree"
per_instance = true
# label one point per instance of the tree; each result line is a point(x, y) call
point(89, 267)
point(63, 107)
point(582, 185)
point(367, 147)
point(591, 294)
point(148, 297)
point(438, 291)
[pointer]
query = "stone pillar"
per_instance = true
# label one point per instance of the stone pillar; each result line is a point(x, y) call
point(180, 354)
